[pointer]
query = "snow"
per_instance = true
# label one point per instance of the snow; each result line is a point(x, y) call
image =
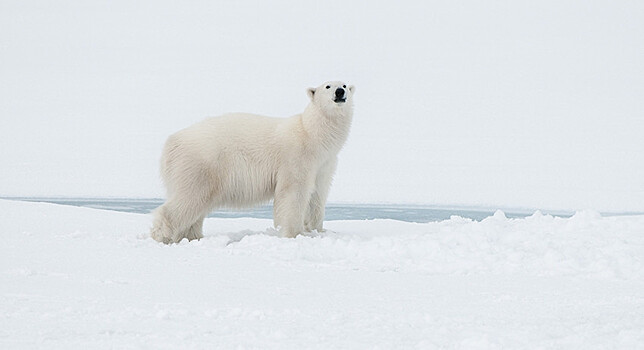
point(76, 278)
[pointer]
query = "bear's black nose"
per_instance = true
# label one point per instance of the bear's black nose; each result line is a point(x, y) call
point(339, 93)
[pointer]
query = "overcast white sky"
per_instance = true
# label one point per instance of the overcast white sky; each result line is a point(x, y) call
point(533, 104)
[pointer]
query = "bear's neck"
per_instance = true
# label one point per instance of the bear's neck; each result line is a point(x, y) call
point(329, 129)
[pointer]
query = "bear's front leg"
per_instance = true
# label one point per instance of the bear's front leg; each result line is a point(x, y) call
point(289, 208)
point(315, 213)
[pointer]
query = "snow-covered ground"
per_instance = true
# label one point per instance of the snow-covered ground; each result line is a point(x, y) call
point(79, 278)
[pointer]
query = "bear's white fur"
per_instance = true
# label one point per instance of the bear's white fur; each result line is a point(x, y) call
point(241, 160)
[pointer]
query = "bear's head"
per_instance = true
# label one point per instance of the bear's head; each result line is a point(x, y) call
point(332, 96)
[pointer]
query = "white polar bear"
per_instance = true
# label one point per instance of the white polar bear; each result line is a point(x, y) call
point(242, 160)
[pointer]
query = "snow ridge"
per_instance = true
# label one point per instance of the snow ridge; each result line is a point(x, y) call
point(585, 245)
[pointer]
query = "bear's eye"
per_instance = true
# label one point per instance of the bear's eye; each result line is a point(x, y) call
point(328, 86)
point(344, 86)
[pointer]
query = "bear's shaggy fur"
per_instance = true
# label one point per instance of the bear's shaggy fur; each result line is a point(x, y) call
point(242, 160)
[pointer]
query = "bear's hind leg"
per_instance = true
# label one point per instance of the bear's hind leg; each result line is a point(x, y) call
point(161, 228)
point(195, 231)
point(176, 220)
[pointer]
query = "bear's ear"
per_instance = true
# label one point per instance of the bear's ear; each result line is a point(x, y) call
point(352, 88)
point(310, 92)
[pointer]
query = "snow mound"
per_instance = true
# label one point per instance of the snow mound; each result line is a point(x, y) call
point(77, 278)
point(584, 245)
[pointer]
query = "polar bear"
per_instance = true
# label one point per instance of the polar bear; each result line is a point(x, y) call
point(241, 160)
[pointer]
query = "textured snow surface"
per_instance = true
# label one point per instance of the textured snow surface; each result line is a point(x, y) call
point(78, 278)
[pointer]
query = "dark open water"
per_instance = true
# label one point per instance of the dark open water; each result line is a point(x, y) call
point(409, 213)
